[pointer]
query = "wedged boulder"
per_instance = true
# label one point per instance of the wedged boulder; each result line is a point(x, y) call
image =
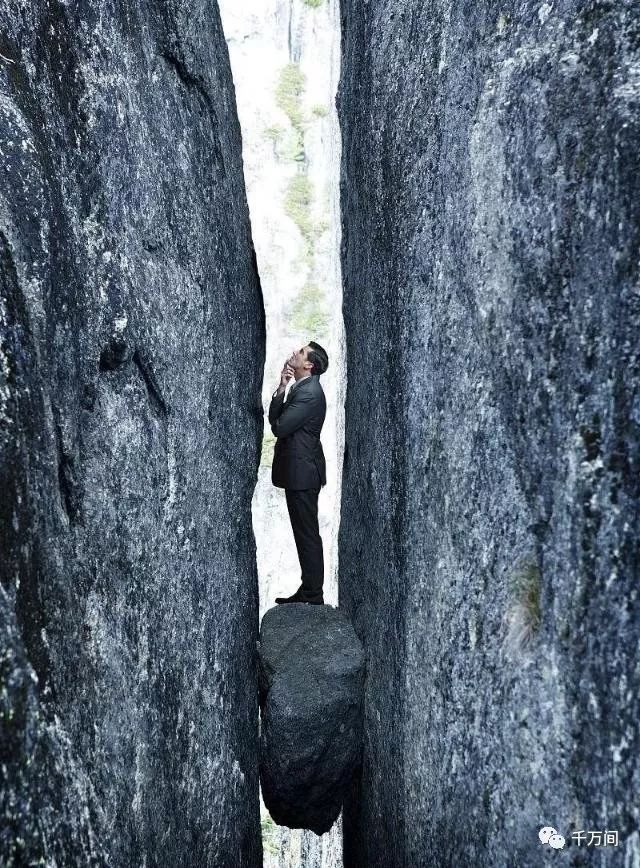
point(311, 670)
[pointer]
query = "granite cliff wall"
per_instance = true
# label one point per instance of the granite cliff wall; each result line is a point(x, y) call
point(490, 499)
point(131, 356)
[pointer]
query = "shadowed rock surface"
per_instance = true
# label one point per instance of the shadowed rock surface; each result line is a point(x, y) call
point(128, 298)
point(489, 544)
point(311, 671)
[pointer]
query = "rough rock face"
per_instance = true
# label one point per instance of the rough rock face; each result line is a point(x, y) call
point(129, 305)
point(311, 670)
point(489, 549)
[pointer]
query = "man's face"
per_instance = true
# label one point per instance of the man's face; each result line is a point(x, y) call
point(297, 360)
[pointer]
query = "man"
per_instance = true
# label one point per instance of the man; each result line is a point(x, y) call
point(298, 461)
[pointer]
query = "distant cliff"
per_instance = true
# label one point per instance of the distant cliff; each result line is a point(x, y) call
point(131, 354)
point(489, 554)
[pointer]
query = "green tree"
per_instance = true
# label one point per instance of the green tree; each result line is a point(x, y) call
point(289, 93)
point(297, 206)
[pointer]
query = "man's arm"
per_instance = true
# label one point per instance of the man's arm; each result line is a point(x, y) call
point(297, 412)
point(275, 407)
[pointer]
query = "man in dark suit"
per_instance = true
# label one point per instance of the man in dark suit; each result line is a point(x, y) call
point(298, 461)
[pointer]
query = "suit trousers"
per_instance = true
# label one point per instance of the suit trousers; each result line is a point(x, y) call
point(303, 512)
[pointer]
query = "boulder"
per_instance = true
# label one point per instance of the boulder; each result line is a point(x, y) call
point(311, 678)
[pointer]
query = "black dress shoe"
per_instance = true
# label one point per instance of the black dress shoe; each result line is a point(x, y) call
point(294, 598)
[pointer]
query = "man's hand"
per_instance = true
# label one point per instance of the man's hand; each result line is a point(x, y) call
point(285, 375)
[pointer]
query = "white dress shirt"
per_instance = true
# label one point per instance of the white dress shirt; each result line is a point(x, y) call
point(293, 385)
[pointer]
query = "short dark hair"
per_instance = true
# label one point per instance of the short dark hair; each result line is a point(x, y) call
point(318, 355)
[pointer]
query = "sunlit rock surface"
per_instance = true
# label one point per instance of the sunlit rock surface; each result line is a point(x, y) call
point(311, 672)
point(489, 540)
point(131, 354)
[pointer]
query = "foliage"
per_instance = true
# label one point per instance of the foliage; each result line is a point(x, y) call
point(268, 444)
point(526, 586)
point(504, 20)
point(308, 314)
point(321, 227)
point(293, 147)
point(269, 835)
point(320, 111)
point(274, 133)
point(312, 3)
point(297, 206)
point(525, 615)
point(289, 92)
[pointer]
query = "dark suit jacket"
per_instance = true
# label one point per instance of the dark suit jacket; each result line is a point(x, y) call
point(298, 459)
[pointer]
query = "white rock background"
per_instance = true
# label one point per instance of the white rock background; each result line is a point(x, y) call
point(264, 36)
